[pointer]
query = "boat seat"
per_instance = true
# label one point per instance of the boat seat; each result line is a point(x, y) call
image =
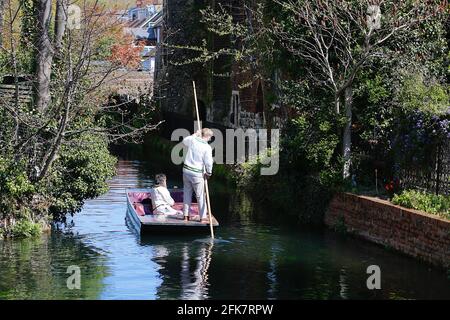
point(143, 209)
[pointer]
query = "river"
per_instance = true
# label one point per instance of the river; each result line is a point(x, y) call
point(254, 259)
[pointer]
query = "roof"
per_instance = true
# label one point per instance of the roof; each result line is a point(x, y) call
point(137, 33)
point(149, 22)
point(159, 19)
point(136, 23)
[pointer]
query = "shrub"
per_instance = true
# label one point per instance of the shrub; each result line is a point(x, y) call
point(26, 228)
point(431, 203)
point(298, 194)
point(80, 173)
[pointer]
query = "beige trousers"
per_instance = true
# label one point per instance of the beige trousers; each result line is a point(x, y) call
point(193, 183)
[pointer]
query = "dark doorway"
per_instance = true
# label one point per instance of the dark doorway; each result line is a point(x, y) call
point(259, 100)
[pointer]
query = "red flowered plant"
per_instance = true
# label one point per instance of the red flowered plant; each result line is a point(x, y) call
point(392, 186)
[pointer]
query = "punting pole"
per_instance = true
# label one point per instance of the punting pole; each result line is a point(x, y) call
point(208, 202)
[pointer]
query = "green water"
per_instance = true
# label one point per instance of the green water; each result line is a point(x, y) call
point(253, 260)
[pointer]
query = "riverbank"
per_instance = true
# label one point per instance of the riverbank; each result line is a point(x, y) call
point(79, 172)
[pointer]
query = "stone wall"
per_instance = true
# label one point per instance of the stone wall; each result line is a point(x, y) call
point(415, 233)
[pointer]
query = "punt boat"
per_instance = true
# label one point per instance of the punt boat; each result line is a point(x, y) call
point(141, 215)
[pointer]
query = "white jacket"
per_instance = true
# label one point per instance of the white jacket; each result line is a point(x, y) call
point(161, 197)
point(198, 157)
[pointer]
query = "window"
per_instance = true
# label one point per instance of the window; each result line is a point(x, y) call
point(235, 109)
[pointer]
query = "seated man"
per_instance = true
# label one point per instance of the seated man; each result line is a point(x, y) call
point(161, 198)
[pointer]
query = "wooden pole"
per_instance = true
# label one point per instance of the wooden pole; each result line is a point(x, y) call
point(208, 203)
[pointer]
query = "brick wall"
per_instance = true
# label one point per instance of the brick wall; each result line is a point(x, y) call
point(415, 233)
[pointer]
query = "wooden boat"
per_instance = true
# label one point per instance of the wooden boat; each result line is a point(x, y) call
point(142, 218)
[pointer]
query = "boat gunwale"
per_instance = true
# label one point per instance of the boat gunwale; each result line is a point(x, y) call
point(137, 218)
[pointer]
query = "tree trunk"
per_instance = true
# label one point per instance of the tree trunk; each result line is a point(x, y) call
point(347, 135)
point(60, 24)
point(2, 12)
point(52, 154)
point(337, 103)
point(44, 56)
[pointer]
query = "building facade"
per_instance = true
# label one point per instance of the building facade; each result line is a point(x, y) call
point(223, 99)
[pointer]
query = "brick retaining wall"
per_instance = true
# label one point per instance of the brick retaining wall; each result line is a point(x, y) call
point(415, 233)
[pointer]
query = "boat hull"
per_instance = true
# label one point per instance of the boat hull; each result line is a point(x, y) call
point(157, 224)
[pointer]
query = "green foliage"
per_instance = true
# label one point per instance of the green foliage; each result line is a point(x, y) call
point(376, 88)
point(26, 228)
point(302, 198)
point(15, 188)
point(26, 51)
point(431, 203)
point(309, 171)
point(80, 173)
point(55, 157)
point(373, 112)
point(103, 49)
point(14, 182)
point(313, 141)
point(3, 62)
point(415, 94)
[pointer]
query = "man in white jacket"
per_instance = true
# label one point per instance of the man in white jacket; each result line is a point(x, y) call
point(197, 166)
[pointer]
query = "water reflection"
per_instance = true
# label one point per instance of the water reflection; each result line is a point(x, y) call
point(36, 268)
point(183, 265)
point(194, 285)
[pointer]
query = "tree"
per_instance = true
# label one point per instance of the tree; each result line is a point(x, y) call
point(339, 37)
point(60, 24)
point(54, 150)
point(126, 54)
point(44, 54)
point(2, 8)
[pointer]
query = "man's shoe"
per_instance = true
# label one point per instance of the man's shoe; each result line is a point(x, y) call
point(186, 218)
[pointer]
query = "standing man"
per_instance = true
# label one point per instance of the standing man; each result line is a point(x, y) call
point(197, 166)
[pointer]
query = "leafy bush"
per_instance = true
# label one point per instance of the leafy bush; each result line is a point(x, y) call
point(15, 188)
point(13, 179)
point(80, 173)
point(431, 203)
point(309, 171)
point(26, 228)
point(416, 95)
